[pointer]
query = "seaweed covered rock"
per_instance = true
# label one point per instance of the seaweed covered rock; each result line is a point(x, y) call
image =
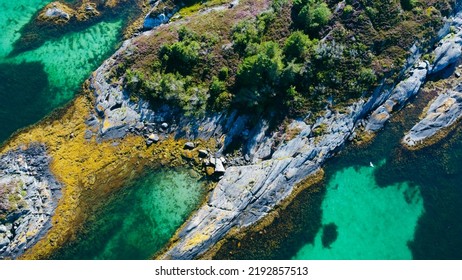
point(56, 12)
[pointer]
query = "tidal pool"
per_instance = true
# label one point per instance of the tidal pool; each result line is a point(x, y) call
point(138, 220)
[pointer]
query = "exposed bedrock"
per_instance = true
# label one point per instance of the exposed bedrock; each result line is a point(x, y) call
point(444, 111)
point(28, 197)
point(447, 53)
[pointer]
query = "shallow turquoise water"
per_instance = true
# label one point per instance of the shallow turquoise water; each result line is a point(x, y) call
point(409, 206)
point(38, 81)
point(14, 15)
point(138, 220)
point(372, 221)
point(69, 60)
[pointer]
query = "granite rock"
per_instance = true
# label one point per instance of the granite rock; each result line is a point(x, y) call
point(25, 174)
point(443, 111)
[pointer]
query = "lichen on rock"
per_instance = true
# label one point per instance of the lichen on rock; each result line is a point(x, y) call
point(28, 197)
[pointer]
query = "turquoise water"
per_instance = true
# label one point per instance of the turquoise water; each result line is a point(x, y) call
point(69, 60)
point(407, 207)
point(13, 16)
point(138, 220)
point(38, 81)
point(371, 222)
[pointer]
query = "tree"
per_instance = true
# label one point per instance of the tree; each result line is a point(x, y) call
point(258, 75)
point(297, 46)
point(312, 15)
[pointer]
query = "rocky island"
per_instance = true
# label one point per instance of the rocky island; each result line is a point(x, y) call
point(254, 95)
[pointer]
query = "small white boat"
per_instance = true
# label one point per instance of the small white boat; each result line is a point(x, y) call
point(371, 164)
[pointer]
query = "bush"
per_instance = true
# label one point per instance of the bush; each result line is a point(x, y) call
point(297, 46)
point(408, 5)
point(348, 9)
point(244, 34)
point(311, 15)
point(180, 56)
point(258, 75)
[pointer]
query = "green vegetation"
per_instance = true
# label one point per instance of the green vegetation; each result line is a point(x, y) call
point(311, 15)
point(300, 56)
point(11, 197)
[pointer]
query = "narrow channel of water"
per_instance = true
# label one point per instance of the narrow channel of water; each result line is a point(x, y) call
point(36, 82)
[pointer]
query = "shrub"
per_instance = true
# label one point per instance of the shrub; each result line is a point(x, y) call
point(259, 74)
point(180, 56)
point(408, 5)
point(311, 15)
point(244, 34)
point(297, 46)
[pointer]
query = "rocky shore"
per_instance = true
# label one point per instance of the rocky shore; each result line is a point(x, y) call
point(446, 54)
point(270, 169)
point(273, 164)
point(28, 197)
point(446, 109)
point(442, 113)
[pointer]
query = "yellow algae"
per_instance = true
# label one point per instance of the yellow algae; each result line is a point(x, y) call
point(197, 239)
point(89, 170)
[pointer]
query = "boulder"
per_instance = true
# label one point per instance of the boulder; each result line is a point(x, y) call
point(57, 13)
point(153, 137)
point(203, 153)
point(219, 167)
point(189, 145)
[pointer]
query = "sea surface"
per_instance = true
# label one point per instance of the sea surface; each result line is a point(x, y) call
point(384, 202)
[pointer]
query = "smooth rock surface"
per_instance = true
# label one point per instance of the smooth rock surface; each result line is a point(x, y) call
point(444, 111)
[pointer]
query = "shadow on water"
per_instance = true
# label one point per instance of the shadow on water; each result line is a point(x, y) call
point(438, 172)
point(433, 174)
point(296, 225)
point(23, 88)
